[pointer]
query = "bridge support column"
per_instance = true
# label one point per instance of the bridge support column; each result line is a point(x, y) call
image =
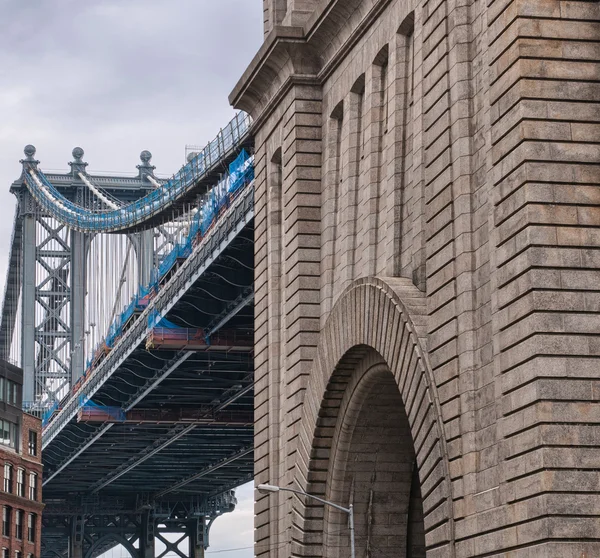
point(78, 281)
point(76, 537)
point(28, 307)
point(145, 256)
point(147, 536)
point(198, 537)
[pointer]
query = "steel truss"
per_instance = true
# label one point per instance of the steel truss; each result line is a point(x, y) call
point(47, 272)
point(236, 218)
point(91, 527)
point(53, 295)
point(48, 260)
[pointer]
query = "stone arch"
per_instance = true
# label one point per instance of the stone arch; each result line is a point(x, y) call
point(133, 552)
point(375, 333)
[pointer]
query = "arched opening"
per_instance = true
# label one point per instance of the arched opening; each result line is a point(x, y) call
point(373, 465)
point(372, 434)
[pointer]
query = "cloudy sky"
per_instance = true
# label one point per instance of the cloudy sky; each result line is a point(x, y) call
point(117, 77)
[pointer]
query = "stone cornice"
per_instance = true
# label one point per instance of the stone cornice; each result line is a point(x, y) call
point(331, 64)
point(275, 100)
point(284, 48)
point(289, 56)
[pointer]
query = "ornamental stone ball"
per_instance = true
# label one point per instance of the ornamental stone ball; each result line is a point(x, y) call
point(145, 156)
point(29, 150)
point(77, 153)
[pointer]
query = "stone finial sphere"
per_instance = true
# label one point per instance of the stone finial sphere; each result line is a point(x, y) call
point(29, 150)
point(145, 156)
point(77, 153)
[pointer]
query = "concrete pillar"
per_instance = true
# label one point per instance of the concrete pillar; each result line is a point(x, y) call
point(76, 537)
point(78, 283)
point(28, 308)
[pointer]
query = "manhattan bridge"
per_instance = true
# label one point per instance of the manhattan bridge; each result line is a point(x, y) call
point(129, 305)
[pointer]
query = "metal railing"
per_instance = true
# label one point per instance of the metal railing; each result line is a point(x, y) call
point(156, 201)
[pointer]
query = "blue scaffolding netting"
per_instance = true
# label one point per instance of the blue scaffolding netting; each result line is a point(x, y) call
point(90, 411)
point(218, 199)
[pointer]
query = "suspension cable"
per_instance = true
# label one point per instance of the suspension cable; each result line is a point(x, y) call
point(97, 192)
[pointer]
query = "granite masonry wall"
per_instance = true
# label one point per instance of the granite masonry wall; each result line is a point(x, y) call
point(428, 248)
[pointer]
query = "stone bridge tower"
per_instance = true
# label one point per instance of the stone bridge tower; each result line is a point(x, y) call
point(428, 276)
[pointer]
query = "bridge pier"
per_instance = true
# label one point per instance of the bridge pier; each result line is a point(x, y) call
point(144, 247)
point(197, 535)
point(177, 530)
point(147, 536)
point(28, 300)
point(195, 529)
point(78, 288)
point(76, 537)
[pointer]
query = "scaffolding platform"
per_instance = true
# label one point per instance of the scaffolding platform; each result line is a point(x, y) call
point(197, 340)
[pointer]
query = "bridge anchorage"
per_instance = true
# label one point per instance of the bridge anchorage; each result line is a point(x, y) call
point(129, 306)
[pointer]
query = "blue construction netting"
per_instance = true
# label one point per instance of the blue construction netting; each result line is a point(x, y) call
point(156, 320)
point(114, 332)
point(102, 411)
point(241, 173)
point(48, 413)
point(179, 251)
point(145, 291)
point(79, 218)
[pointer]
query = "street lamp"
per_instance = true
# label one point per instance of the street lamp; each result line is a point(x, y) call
point(266, 488)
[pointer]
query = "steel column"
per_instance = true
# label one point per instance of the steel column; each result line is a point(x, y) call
point(196, 531)
point(28, 306)
point(145, 256)
point(147, 536)
point(78, 287)
point(76, 537)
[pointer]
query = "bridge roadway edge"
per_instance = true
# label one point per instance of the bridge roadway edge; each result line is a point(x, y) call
point(223, 233)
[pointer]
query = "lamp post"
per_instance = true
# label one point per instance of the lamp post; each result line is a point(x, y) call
point(266, 488)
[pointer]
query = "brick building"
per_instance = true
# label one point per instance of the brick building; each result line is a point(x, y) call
point(20, 463)
point(427, 246)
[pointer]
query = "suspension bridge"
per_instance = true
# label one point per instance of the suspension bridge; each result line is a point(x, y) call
point(129, 305)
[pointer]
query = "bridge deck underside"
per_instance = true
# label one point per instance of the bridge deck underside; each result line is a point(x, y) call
point(158, 459)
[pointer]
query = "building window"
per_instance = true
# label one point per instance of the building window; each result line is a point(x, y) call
point(6, 521)
point(32, 442)
point(8, 477)
point(8, 433)
point(21, 482)
point(5, 553)
point(9, 391)
point(31, 527)
point(32, 486)
point(19, 524)
point(18, 554)
point(13, 393)
point(30, 555)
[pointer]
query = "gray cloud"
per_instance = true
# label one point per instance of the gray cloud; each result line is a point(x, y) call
point(117, 77)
